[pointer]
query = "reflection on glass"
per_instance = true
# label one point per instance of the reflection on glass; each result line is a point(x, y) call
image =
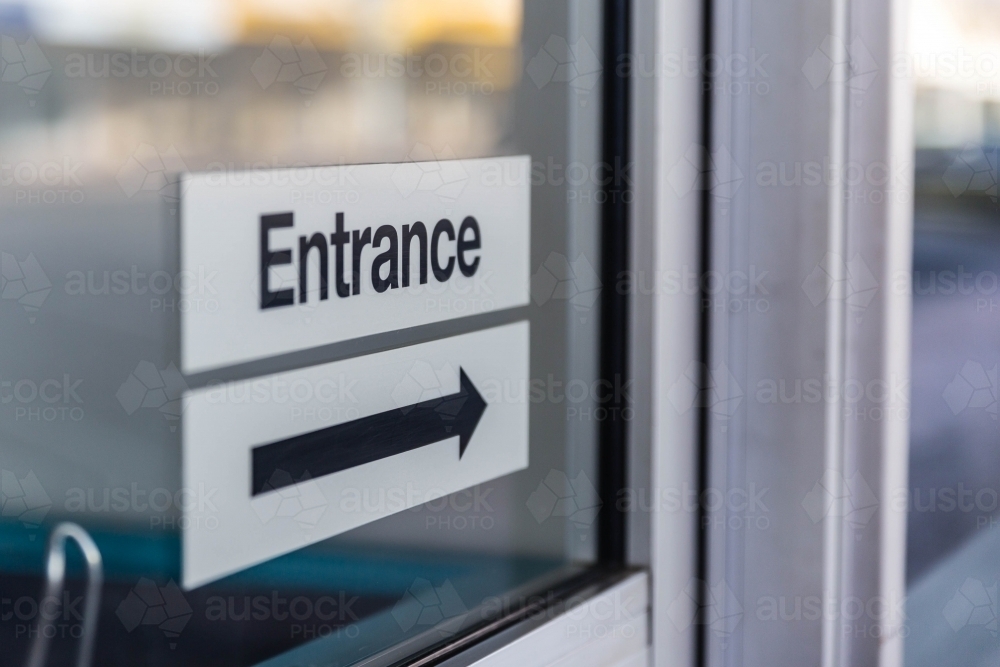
point(342, 82)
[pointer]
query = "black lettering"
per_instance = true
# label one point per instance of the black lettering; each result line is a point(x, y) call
point(475, 243)
point(442, 227)
point(269, 258)
point(390, 256)
point(467, 255)
point(339, 239)
point(360, 241)
point(419, 232)
point(318, 242)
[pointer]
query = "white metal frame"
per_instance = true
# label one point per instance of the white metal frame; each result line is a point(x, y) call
point(665, 337)
point(788, 233)
point(610, 629)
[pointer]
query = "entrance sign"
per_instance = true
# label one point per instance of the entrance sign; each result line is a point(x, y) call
point(294, 458)
point(300, 258)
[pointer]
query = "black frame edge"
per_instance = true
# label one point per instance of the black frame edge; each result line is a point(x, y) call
point(615, 237)
point(705, 342)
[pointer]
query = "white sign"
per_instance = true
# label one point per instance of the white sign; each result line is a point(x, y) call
point(290, 459)
point(291, 259)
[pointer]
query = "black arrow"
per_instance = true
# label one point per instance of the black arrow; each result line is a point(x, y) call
point(329, 450)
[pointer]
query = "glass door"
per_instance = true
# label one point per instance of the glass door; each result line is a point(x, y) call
point(133, 135)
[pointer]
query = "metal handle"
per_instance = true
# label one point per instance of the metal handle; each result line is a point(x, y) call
point(55, 579)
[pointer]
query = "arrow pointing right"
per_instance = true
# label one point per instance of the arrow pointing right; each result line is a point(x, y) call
point(368, 439)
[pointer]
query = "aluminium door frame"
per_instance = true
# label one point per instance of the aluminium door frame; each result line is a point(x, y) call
point(686, 123)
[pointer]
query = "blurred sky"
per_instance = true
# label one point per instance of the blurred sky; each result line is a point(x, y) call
point(210, 24)
point(956, 45)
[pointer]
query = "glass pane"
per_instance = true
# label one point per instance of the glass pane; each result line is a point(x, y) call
point(954, 459)
point(103, 104)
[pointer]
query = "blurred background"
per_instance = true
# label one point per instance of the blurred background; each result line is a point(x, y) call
point(953, 559)
point(244, 81)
